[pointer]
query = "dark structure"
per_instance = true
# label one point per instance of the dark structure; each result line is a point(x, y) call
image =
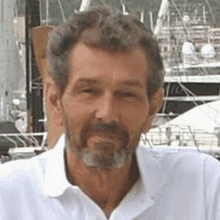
point(8, 127)
point(33, 81)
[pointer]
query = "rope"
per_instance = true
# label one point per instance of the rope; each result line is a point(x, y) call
point(210, 9)
point(62, 11)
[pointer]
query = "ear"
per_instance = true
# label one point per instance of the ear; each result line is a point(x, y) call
point(53, 102)
point(155, 104)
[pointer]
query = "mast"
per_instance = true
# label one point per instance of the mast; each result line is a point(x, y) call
point(11, 73)
point(84, 5)
point(161, 15)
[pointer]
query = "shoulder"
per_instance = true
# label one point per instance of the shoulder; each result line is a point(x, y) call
point(21, 181)
point(18, 180)
point(195, 174)
point(189, 162)
point(20, 173)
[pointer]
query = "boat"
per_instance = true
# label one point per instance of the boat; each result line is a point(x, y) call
point(189, 119)
point(198, 129)
point(190, 47)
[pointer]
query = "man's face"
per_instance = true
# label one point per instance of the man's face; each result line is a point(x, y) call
point(105, 105)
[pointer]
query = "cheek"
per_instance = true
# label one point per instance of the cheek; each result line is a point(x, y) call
point(135, 118)
point(75, 118)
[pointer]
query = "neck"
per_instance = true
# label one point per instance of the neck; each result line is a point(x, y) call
point(106, 187)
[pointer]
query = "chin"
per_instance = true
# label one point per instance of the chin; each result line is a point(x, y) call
point(104, 161)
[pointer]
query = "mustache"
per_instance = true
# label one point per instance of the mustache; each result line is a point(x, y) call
point(111, 129)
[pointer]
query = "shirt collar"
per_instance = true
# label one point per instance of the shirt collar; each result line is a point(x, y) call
point(150, 167)
point(55, 182)
point(152, 171)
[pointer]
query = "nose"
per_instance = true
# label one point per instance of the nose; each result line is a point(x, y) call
point(107, 110)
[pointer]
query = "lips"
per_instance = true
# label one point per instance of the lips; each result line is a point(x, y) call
point(105, 135)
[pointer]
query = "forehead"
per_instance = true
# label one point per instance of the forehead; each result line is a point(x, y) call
point(86, 62)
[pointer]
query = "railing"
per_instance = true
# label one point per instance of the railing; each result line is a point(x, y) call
point(176, 138)
point(22, 145)
point(183, 138)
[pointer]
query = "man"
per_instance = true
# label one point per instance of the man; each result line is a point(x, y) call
point(105, 86)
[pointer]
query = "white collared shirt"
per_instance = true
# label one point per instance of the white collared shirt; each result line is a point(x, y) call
point(172, 186)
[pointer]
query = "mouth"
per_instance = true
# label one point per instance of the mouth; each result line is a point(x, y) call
point(105, 135)
point(104, 142)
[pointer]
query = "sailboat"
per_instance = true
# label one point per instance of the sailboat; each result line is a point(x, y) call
point(192, 84)
point(195, 130)
point(190, 47)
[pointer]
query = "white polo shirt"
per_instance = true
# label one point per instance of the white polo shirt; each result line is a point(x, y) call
point(172, 186)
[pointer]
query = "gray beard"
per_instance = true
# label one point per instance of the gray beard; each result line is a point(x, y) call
point(101, 160)
point(107, 161)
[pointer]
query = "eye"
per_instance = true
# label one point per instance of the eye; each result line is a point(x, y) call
point(90, 91)
point(126, 94)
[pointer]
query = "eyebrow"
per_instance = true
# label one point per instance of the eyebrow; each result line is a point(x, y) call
point(87, 81)
point(135, 83)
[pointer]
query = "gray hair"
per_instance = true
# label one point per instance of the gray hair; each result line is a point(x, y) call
point(101, 27)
